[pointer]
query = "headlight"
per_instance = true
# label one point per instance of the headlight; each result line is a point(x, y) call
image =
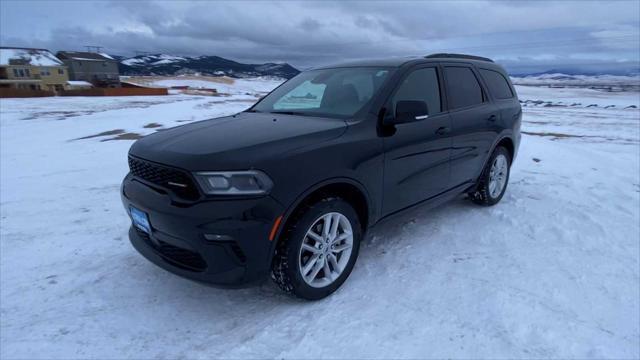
point(250, 182)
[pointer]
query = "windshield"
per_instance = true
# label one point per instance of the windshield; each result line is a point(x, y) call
point(339, 92)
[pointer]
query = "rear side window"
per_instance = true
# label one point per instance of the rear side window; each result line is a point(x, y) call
point(463, 87)
point(421, 85)
point(498, 85)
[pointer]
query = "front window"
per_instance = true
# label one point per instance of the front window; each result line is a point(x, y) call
point(420, 85)
point(339, 92)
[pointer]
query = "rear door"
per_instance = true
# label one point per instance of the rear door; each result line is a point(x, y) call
point(473, 122)
point(504, 97)
point(417, 153)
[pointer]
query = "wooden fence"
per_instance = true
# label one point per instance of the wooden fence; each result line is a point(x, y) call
point(23, 93)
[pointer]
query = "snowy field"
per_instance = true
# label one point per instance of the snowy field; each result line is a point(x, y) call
point(550, 272)
point(223, 84)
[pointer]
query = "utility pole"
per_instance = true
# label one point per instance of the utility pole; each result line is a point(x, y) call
point(93, 48)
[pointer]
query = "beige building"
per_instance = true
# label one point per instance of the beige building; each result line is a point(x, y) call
point(32, 69)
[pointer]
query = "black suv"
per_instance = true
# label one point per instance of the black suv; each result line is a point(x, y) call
point(289, 186)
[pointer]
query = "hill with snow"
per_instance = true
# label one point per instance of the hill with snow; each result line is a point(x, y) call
point(163, 64)
point(614, 82)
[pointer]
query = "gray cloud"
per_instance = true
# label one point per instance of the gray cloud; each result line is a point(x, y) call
point(310, 24)
point(523, 34)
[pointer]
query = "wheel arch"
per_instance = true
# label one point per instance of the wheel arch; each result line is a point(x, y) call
point(507, 143)
point(347, 188)
point(503, 140)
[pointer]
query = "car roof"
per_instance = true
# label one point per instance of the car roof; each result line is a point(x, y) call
point(413, 60)
point(383, 62)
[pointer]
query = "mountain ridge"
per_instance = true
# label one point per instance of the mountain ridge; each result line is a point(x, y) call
point(166, 65)
point(169, 65)
point(573, 72)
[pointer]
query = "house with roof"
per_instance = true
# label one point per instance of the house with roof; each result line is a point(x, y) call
point(99, 69)
point(31, 69)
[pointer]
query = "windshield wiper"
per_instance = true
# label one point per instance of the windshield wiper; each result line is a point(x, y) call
point(286, 112)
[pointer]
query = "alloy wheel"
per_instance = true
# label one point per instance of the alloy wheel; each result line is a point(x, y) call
point(498, 175)
point(326, 249)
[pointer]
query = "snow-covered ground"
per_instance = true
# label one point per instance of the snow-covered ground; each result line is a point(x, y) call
point(553, 271)
point(544, 96)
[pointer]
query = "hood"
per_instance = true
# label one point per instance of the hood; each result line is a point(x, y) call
point(235, 142)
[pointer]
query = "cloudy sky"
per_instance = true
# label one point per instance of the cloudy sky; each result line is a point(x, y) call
point(525, 35)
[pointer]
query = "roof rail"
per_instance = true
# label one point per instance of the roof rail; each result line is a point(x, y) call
point(458, 56)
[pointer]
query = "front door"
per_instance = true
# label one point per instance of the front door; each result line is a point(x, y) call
point(417, 153)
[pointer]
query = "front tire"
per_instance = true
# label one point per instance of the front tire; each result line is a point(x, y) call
point(494, 179)
point(318, 249)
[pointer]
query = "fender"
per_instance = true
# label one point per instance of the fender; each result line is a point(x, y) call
point(372, 211)
point(506, 134)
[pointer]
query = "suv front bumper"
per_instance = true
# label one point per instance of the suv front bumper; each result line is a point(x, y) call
point(223, 242)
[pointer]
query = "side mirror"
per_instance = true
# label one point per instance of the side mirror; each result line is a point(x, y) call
point(410, 110)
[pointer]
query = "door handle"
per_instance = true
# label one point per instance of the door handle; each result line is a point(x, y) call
point(492, 118)
point(443, 130)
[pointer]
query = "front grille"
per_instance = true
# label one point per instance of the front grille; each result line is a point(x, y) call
point(177, 181)
point(180, 257)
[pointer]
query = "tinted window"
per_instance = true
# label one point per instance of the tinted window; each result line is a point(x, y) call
point(463, 87)
point(421, 85)
point(498, 85)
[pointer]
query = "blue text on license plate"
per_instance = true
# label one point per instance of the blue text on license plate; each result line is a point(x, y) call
point(140, 219)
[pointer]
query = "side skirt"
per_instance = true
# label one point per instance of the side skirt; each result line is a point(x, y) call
point(431, 202)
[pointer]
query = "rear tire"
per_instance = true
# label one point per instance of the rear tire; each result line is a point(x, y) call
point(494, 179)
point(311, 262)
